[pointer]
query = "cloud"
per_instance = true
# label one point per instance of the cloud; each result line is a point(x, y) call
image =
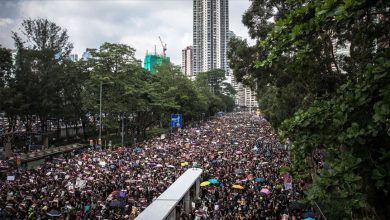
point(5, 21)
point(134, 22)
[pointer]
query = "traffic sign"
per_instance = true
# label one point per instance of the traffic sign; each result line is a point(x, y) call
point(176, 120)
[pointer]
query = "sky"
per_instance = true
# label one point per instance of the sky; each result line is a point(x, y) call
point(137, 23)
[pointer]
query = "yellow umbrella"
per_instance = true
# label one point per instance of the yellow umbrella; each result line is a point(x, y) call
point(205, 183)
point(237, 187)
point(184, 164)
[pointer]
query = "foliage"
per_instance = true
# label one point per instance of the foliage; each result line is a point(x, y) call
point(213, 87)
point(145, 100)
point(35, 82)
point(353, 128)
point(44, 85)
point(5, 73)
point(340, 100)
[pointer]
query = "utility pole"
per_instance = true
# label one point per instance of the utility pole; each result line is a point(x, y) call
point(100, 117)
point(122, 129)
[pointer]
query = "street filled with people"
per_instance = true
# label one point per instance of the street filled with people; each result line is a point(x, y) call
point(244, 176)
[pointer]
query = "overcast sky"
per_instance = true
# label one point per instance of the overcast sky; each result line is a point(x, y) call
point(137, 23)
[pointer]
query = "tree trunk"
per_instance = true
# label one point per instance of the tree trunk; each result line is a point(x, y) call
point(43, 133)
point(66, 130)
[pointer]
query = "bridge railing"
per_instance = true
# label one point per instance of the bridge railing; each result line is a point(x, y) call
point(182, 192)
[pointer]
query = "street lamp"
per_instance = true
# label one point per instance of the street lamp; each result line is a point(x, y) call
point(100, 117)
point(122, 128)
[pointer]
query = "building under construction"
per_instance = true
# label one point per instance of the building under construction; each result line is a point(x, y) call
point(153, 60)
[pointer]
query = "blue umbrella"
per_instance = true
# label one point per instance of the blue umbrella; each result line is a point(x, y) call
point(309, 218)
point(122, 194)
point(213, 181)
point(308, 215)
point(259, 180)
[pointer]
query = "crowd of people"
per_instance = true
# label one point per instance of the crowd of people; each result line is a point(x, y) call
point(239, 150)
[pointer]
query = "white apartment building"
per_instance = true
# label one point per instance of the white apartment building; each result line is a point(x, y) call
point(186, 61)
point(245, 97)
point(210, 28)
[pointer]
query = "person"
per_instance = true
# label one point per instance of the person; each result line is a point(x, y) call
point(93, 183)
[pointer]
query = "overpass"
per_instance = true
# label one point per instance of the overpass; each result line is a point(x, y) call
point(182, 192)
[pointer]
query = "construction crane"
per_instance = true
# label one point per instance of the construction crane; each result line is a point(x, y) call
point(164, 46)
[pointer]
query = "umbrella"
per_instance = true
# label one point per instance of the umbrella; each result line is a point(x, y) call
point(205, 183)
point(184, 164)
point(238, 152)
point(265, 191)
point(54, 213)
point(238, 171)
point(220, 152)
point(116, 203)
point(115, 193)
point(159, 165)
point(308, 215)
point(213, 181)
point(214, 161)
point(171, 166)
point(259, 180)
point(309, 218)
point(122, 194)
point(237, 187)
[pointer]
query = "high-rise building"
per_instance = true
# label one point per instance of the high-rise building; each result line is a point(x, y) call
point(74, 57)
point(245, 97)
point(87, 54)
point(210, 28)
point(186, 61)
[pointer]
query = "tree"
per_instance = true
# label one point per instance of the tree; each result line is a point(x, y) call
point(73, 80)
point(343, 100)
point(41, 49)
point(291, 80)
point(5, 73)
point(353, 130)
point(124, 85)
point(220, 95)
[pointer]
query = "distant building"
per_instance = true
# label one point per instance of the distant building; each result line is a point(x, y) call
point(210, 27)
point(245, 98)
point(74, 57)
point(87, 54)
point(186, 61)
point(152, 60)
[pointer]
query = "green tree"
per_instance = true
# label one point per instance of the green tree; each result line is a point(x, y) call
point(295, 54)
point(220, 95)
point(124, 88)
point(41, 49)
point(73, 79)
point(291, 80)
point(5, 73)
point(353, 130)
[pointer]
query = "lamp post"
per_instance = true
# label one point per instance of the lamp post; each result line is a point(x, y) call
point(100, 117)
point(122, 129)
